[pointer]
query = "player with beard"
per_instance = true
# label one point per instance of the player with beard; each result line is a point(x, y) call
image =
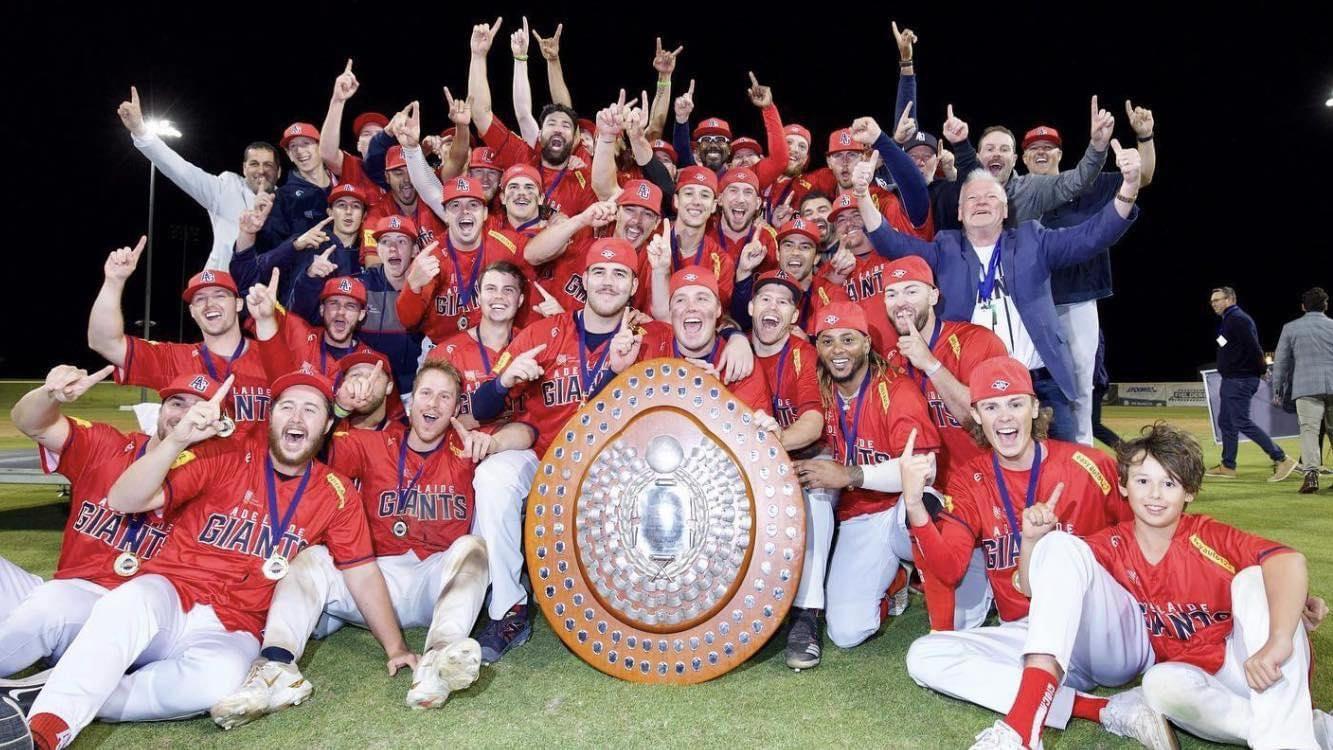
point(402, 199)
point(100, 548)
point(215, 307)
point(907, 207)
point(191, 620)
point(689, 244)
point(503, 290)
point(623, 152)
point(347, 167)
point(745, 152)
point(739, 233)
point(416, 485)
point(798, 251)
point(361, 397)
point(381, 330)
point(568, 190)
point(342, 307)
point(781, 192)
point(299, 203)
point(440, 298)
point(712, 138)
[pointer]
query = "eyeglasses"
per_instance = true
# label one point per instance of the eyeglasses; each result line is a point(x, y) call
point(717, 139)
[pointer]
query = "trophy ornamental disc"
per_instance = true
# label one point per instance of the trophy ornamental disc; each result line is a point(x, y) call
point(665, 533)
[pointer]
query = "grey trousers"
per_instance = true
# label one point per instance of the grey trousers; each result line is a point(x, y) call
point(1310, 412)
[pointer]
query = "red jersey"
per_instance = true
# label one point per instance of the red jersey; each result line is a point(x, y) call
point(353, 171)
point(977, 514)
point(441, 308)
point(733, 247)
point(793, 376)
point(876, 424)
point(562, 276)
point(888, 203)
point(223, 528)
point(308, 347)
point(568, 191)
point(429, 226)
point(707, 254)
point(414, 502)
point(960, 347)
point(92, 459)
point(1186, 596)
point(154, 364)
point(473, 359)
point(659, 340)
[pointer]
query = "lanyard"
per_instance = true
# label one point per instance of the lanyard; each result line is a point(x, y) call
point(324, 354)
point(588, 376)
point(1033, 477)
point(934, 337)
point(530, 222)
point(675, 349)
point(404, 492)
point(207, 357)
point(464, 293)
point(276, 532)
point(986, 287)
point(131, 541)
point(782, 365)
point(722, 237)
point(849, 437)
point(675, 252)
point(485, 356)
point(555, 183)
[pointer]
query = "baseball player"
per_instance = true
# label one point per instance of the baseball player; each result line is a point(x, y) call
point(939, 356)
point(986, 500)
point(215, 307)
point(797, 254)
point(100, 548)
point(342, 307)
point(690, 244)
point(350, 167)
point(869, 414)
point(190, 620)
point(737, 226)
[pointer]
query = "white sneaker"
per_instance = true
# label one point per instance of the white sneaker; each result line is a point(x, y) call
point(1000, 736)
point(1323, 730)
point(443, 671)
point(1128, 714)
point(270, 686)
point(899, 601)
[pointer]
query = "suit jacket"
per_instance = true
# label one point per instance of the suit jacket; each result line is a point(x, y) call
point(1303, 365)
point(1031, 252)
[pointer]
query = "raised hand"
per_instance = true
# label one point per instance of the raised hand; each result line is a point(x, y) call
point(863, 172)
point(1140, 120)
point(915, 470)
point(356, 392)
point(1040, 519)
point(550, 306)
point(131, 114)
point(313, 237)
point(518, 41)
point(263, 204)
point(665, 62)
point(914, 347)
point(624, 345)
point(409, 128)
point(120, 264)
point(659, 249)
point(634, 119)
point(460, 110)
point(1130, 163)
point(345, 85)
point(948, 164)
point(204, 418)
point(1103, 125)
point(865, 131)
point(524, 367)
point(321, 266)
point(684, 104)
point(760, 96)
point(476, 444)
point(550, 46)
point(905, 39)
point(67, 383)
point(608, 123)
point(599, 214)
point(483, 35)
point(906, 126)
point(262, 301)
point(425, 267)
point(841, 264)
point(751, 256)
point(955, 130)
point(737, 360)
point(783, 211)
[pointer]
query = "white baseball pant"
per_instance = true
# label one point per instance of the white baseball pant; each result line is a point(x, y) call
point(1080, 324)
point(1222, 707)
point(187, 660)
point(502, 484)
point(44, 624)
point(1101, 641)
point(15, 583)
point(819, 505)
point(443, 592)
point(869, 552)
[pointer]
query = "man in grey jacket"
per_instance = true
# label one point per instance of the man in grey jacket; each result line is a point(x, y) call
point(224, 196)
point(1303, 371)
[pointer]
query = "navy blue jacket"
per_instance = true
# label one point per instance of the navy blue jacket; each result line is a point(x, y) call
point(297, 206)
point(1243, 356)
point(251, 267)
point(1091, 279)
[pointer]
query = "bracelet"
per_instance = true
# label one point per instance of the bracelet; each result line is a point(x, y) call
point(1125, 199)
point(856, 476)
point(930, 371)
point(904, 63)
point(521, 58)
point(664, 84)
point(1145, 140)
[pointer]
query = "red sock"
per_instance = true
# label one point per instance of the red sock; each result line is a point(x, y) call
point(1089, 707)
point(48, 731)
point(1028, 715)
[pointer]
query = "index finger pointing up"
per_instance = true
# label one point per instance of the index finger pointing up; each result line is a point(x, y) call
point(911, 443)
point(754, 81)
point(134, 96)
point(496, 26)
point(348, 69)
point(1055, 497)
point(223, 390)
point(950, 116)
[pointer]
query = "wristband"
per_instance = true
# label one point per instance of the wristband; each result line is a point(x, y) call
point(904, 63)
point(1124, 199)
point(664, 84)
point(930, 371)
point(521, 58)
point(1145, 140)
point(339, 411)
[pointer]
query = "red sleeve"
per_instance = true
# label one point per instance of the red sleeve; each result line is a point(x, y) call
point(277, 355)
point(1241, 548)
point(348, 534)
point(412, 307)
point(150, 364)
point(821, 179)
point(771, 167)
point(88, 444)
point(1100, 544)
point(510, 149)
point(347, 451)
point(979, 346)
point(805, 360)
point(945, 549)
point(909, 412)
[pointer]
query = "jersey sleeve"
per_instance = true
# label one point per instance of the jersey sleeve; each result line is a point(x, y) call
point(945, 547)
point(149, 364)
point(88, 444)
point(1102, 549)
point(277, 355)
point(510, 149)
point(804, 362)
point(978, 346)
point(348, 534)
point(1241, 548)
point(908, 412)
point(347, 451)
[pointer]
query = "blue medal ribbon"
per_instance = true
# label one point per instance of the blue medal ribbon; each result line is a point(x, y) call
point(1010, 514)
point(782, 366)
point(675, 253)
point(465, 294)
point(404, 492)
point(555, 183)
point(986, 287)
point(849, 437)
point(588, 376)
point(207, 357)
point(276, 532)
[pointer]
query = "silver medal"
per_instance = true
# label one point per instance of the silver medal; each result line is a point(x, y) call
point(275, 567)
point(400, 529)
point(126, 564)
point(228, 426)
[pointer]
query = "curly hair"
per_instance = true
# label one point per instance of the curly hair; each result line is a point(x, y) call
point(1176, 450)
point(877, 366)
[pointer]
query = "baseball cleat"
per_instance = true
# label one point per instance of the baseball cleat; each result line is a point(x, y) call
point(443, 671)
point(270, 686)
point(1000, 736)
point(1128, 714)
point(500, 636)
point(14, 732)
point(22, 692)
point(804, 640)
point(898, 594)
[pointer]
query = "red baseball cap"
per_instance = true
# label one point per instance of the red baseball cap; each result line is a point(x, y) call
point(842, 315)
point(693, 276)
point(641, 193)
point(368, 118)
point(393, 158)
point(697, 175)
point(741, 175)
point(462, 187)
point(483, 158)
point(522, 170)
point(612, 250)
point(797, 225)
point(841, 140)
point(778, 277)
point(587, 126)
point(844, 202)
point(305, 377)
point(364, 358)
point(298, 130)
point(395, 224)
point(746, 142)
point(712, 126)
point(910, 268)
point(344, 286)
point(347, 190)
point(1041, 133)
point(192, 384)
point(206, 278)
point(999, 376)
point(798, 130)
point(666, 148)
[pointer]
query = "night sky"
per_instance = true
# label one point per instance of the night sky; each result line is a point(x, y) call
point(1242, 193)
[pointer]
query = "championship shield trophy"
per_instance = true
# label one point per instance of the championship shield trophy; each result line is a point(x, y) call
point(665, 532)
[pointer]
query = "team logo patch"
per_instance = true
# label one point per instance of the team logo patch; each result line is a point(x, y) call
point(560, 360)
point(608, 254)
point(830, 319)
point(462, 183)
point(200, 384)
point(898, 274)
point(845, 138)
point(691, 277)
point(798, 223)
point(207, 277)
point(1000, 385)
point(394, 223)
point(338, 487)
point(294, 130)
point(1212, 554)
point(344, 284)
point(844, 201)
point(698, 177)
point(643, 191)
point(184, 457)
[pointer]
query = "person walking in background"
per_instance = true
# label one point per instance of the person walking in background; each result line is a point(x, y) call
point(1101, 383)
point(1303, 372)
point(1240, 362)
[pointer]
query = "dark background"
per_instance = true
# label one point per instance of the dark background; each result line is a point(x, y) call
point(1242, 194)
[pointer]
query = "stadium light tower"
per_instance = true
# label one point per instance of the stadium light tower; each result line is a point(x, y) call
point(162, 129)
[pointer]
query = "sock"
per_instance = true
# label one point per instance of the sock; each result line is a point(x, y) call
point(49, 731)
point(281, 655)
point(1089, 707)
point(1028, 715)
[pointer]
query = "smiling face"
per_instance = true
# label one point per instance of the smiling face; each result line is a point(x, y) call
point(740, 205)
point(844, 352)
point(774, 312)
point(850, 230)
point(609, 287)
point(996, 152)
point(434, 402)
point(215, 310)
point(745, 157)
point(983, 206)
point(488, 178)
point(173, 408)
point(694, 204)
point(1155, 495)
point(798, 155)
point(297, 422)
point(261, 169)
point(816, 211)
point(1006, 422)
point(520, 199)
point(341, 315)
point(694, 314)
point(465, 217)
point(1042, 157)
point(636, 223)
point(713, 151)
point(909, 303)
point(796, 256)
point(1219, 301)
point(395, 250)
point(304, 153)
point(347, 214)
point(500, 295)
point(557, 138)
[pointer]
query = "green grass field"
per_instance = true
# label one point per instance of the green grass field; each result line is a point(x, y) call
point(541, 695)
